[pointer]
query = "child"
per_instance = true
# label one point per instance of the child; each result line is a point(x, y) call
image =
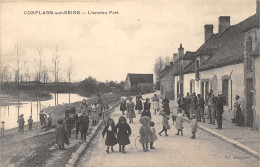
point(123, 104)
point(21, 123)
point(69, 124)
point(179, 122)
point(147, 106)
point(83, 125)
point(61, 135)
point(123, 133)
point(49, 122)
point(153, 135)
point(130, 110)
point(145, 132)
point(2, 129)
point(165, 124)
point(111, 135)
point(193, 126)
point(30, 122)
point(94, 114)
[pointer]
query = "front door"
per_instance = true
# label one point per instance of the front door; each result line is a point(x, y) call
point(225, 89)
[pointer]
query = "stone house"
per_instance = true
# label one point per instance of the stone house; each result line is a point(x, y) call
point(139, 82)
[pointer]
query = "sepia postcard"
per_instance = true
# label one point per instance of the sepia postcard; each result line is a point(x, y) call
point(130, 83)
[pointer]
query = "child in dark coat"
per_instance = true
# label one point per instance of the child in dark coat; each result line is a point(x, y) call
point(179, 122)
point(30, 122)
point(110, 130)
point(83, 125)
point(147, 107)
point(123, 133)
point(21, 123)
point(61, 135)
point(165, 124)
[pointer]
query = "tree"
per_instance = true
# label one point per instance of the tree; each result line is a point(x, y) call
point(55, 61)
point(158, 67)
point(5, 72)
point(69, 73)
point(167, 61)
point(40, 52)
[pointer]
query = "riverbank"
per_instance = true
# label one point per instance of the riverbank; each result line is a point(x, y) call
point(12, 98)
point(32, 147)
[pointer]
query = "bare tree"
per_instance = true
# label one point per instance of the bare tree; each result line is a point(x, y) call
point(40, 53)
point(158, 67)
point(69, 73)
point(17, 57)
point(167, 61)
point(27, 74)
point(55, 61)
point(45, 75)
point(5, 72)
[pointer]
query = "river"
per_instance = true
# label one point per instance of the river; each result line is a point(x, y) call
point(9, 115)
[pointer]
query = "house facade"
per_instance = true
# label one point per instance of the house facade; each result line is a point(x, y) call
point(142, 82)
point(228, 63)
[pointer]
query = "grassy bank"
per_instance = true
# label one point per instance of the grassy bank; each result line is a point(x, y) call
point(32, 147)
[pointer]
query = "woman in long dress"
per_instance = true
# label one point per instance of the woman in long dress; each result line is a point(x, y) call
point(130, 110)
point(156, 106)
point(239, 114)
point(139, 105)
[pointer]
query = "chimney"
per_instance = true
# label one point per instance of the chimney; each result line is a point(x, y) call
point(175, 57)
point(171, 63)
point(180, 51)
point(223, 23)
point(208, 31)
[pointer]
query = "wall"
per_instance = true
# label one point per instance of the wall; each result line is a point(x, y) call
point(145, 86)
point(176, 79)
point(257, 93)
point(237, 83)
point(167, 84)
point(186, 80)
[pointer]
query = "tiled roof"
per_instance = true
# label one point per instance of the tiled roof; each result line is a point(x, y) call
point(190, 68)
point(168, 68)
point(141, 78)
point(189, 56)
point(226, 48)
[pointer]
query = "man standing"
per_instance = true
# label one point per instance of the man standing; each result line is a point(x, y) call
point(42, 118)
point(193, 104)
point(200, 109)
point(187, 100)
point(220, 101)
point(83, 125)
point(211, 108)
point(182, 104)
point(166, 107)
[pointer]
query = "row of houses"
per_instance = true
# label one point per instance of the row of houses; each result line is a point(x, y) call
point(227, 62)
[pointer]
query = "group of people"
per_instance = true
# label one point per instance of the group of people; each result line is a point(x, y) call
point(21, 122)
point(195, 104)
point(79, 118)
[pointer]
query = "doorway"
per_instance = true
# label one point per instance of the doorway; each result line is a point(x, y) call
point(249, 102)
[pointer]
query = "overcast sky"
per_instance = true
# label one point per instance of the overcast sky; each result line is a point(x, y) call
point(108, 47)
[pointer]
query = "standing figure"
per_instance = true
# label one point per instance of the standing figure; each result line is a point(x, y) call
point(193, 104)
point(147, 106)
point(220, 101)
point(123, 104)
point(153, 135)
point(211, 108)
point(200, 109)
point(187, 100)
point(166, 107)
point(83, 125)
point(110, 130)
point(179, 122)
point(21, 123)
point(182, 104)
point(69, 124)
point(30, 122)
point(42, 118)
point(76, 118)
point(145, 132)
point(61, 135)
point(106, 114)
point(238, 114)
point(165, 124)
point(193, 126)
point(139, 105)
point(123, 133)
point(2, 129)
point(49, 122)
point(130, 110)
point(67, 112)
point(94, 114)
point(156, 105)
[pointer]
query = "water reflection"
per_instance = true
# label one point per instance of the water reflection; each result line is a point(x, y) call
point(9, 113)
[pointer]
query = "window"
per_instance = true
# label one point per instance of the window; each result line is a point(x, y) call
point(206, 91)
point(192, 86)
point(225, 89)
point(197, 70)
point(181, 88)
point(202, 90)
point(248, 52)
